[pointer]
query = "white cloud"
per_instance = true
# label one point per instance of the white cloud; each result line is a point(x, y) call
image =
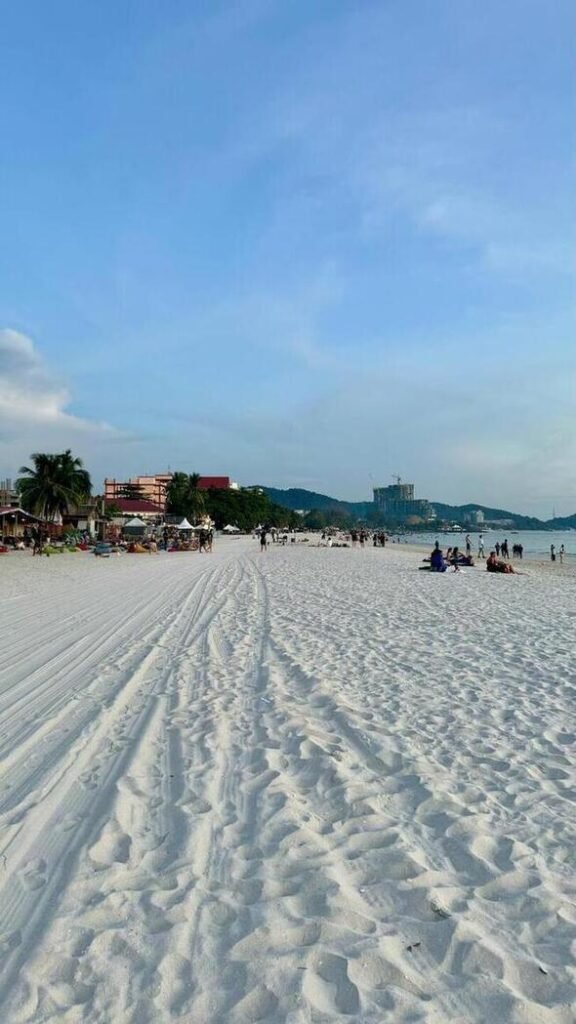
point(33, 406)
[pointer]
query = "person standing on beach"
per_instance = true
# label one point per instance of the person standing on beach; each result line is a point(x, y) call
point(552, 553)
point(497, 548)
point(561, 554)
point(263, 539)
point(504, 549)
point(468, 544)
point(481, 546)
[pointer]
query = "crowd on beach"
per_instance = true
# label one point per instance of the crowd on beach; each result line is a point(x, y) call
point(172, 539)
point(498, 560)
point(37, 539)
point(202, 542)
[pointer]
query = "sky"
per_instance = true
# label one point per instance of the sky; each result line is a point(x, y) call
point(304, 243)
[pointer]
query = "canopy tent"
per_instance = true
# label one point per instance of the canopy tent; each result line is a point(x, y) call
point(230, 529)
point(136, 526)
point(185, 525)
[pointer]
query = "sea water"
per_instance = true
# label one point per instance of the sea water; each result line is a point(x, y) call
point(536, 543)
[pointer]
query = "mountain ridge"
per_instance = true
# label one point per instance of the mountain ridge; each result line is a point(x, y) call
point(296, 498)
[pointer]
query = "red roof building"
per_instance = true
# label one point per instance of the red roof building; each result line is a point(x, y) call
point(135, 506)
point(220, 483)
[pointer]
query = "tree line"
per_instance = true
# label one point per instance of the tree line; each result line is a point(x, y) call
point(55, 484)
point(245, 507)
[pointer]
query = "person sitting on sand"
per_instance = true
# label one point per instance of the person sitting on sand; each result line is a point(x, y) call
point(494, 565)
point(437, 563)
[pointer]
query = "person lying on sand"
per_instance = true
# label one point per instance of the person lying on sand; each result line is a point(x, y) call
point(495, 565)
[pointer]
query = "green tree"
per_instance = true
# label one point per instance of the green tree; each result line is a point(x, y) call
point(320, 519)
point(112, 511)
point(54, 485)
point(246, 508)
point(183, 496)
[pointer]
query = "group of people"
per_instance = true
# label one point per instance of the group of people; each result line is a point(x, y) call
point(438, 562)
point(358, 537)
point(173, 540)
point(501, 550)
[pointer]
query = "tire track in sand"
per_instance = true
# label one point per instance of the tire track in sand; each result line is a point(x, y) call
point(39, 859)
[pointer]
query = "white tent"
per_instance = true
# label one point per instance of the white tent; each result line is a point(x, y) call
point(185, 525)
point(134, 527)
point(230, 529)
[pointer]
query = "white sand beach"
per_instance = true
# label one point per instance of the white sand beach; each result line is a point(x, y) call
point(307, 786)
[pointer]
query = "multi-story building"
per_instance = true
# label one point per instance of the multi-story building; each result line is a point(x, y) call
point(475, 517)
point(397, 504)
point(149, 488)
point(9, 496)
point(153, 488)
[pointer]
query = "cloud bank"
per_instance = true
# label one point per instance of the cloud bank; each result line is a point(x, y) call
point(33, 407)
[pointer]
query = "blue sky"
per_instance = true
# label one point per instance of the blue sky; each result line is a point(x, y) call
point(303, 243)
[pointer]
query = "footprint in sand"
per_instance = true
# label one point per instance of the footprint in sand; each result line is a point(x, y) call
point(33, 875)
point(113, 847)
point(70, 822)
point(259, 1005)
point(327, 985)
point(9, 941)
point(89, 779)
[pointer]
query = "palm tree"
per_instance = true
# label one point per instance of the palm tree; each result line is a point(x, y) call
point(56, 483)
point(184, 497)
point(196, 501)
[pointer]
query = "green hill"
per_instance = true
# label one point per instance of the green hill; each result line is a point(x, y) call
point(297, 498)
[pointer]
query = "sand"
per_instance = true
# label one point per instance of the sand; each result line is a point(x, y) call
point(308, 786)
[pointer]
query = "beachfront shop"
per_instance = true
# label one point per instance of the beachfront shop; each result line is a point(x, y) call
point(15, 523)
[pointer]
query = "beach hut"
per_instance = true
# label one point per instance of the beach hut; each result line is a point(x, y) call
point(135, 527)
point(13, 522)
